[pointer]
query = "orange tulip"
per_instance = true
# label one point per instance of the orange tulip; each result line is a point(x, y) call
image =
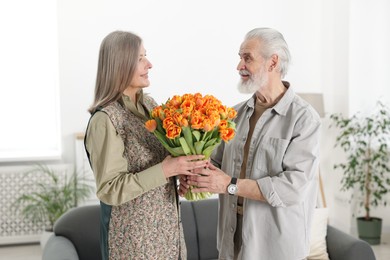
point(215, 119)
point(199, 102)
point(183, 122)
point(208, 125)
point(173, 131)
point(232, 113)
point(156, 112)
point(197, 120)
point(223, 124)
point(226, 134)
point(223, 111)
point(177, 117)
point(197, 95)
point(167, 122)
point(174, 102)
point(187, 105)
point(186, 112)
point(151, 125)
point(168, 112)
point(187, 97)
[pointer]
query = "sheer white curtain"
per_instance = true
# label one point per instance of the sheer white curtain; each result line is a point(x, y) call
point(29, 91)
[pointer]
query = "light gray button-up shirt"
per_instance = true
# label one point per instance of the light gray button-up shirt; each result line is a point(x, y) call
point(283, 159)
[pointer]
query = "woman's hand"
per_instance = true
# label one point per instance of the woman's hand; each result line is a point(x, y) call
point(182, 165)
point(183, 185)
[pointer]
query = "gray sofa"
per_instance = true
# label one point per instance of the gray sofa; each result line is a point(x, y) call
point(76, 235)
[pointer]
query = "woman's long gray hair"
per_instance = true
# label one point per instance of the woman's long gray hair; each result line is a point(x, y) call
point(118, 58)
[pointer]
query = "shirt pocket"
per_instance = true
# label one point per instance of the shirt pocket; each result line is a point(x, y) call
point(268, 158)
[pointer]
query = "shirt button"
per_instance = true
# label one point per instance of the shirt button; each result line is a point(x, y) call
point(232, 229)
point(233, 205)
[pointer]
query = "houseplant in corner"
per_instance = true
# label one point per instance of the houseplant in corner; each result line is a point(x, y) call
point(365, 141)
point(51, 196)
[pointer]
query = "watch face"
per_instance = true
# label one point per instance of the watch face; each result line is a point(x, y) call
point(232, 189)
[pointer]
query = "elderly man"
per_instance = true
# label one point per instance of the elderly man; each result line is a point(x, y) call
point(266, 176)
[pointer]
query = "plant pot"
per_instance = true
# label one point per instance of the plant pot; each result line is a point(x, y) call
point(370, 230)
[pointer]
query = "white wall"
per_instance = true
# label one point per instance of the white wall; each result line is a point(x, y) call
point(193, 46)
point(369, 53)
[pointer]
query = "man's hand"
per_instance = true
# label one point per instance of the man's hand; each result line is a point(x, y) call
point(210, 179)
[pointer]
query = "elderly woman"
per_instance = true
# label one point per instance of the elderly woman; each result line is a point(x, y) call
point(134, 173)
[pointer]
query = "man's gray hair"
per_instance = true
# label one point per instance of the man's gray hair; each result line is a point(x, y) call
point(272, 43)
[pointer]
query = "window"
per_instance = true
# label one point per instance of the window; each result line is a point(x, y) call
point(29, 88)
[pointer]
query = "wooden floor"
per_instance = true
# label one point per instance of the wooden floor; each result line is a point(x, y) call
point(33, 251)
point(382, 251)
point(21, 252)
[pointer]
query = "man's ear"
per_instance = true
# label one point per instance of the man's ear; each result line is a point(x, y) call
point(274, 60)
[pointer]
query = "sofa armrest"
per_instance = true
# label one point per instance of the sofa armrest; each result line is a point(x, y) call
point(59, 248)
point(199, 220)
point(189, 230)
point(206, 218)
point(342, 246)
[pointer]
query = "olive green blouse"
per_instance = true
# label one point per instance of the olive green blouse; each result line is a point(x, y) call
point(115, 185)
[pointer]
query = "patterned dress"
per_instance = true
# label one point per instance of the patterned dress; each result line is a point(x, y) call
point(147, 227)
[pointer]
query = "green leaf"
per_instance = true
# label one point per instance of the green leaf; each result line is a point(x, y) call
point(215, 134)
point(174, 151)
point(162, 138)
point(188, 137)
point(196, 134)
point(231, 124)
point(176, 142)
point(185, 146)
point(209, 150)
point(199, 147)
point(207, 135)
point(210, 142)
point(196, 196)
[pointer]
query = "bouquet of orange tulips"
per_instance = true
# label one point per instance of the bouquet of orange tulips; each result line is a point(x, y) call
point(192, 124)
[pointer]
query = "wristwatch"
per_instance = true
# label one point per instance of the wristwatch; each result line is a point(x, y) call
point(232, 187)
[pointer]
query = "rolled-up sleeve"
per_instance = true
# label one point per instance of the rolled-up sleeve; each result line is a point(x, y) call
point(299, 163)
point(115, 185)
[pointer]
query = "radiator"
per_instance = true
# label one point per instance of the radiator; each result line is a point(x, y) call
point(14, 182)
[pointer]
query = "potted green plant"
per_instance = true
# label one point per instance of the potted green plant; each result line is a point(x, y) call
point(50, 198)
point(365, 141)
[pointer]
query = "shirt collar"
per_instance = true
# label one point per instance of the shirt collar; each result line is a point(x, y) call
point(135, 108)
point(282, 105)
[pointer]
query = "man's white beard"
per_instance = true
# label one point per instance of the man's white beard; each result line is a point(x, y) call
point(254, 83)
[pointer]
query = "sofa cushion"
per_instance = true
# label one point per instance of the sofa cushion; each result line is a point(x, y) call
point(59, 248)
point(82, 227)
point(319, 225)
